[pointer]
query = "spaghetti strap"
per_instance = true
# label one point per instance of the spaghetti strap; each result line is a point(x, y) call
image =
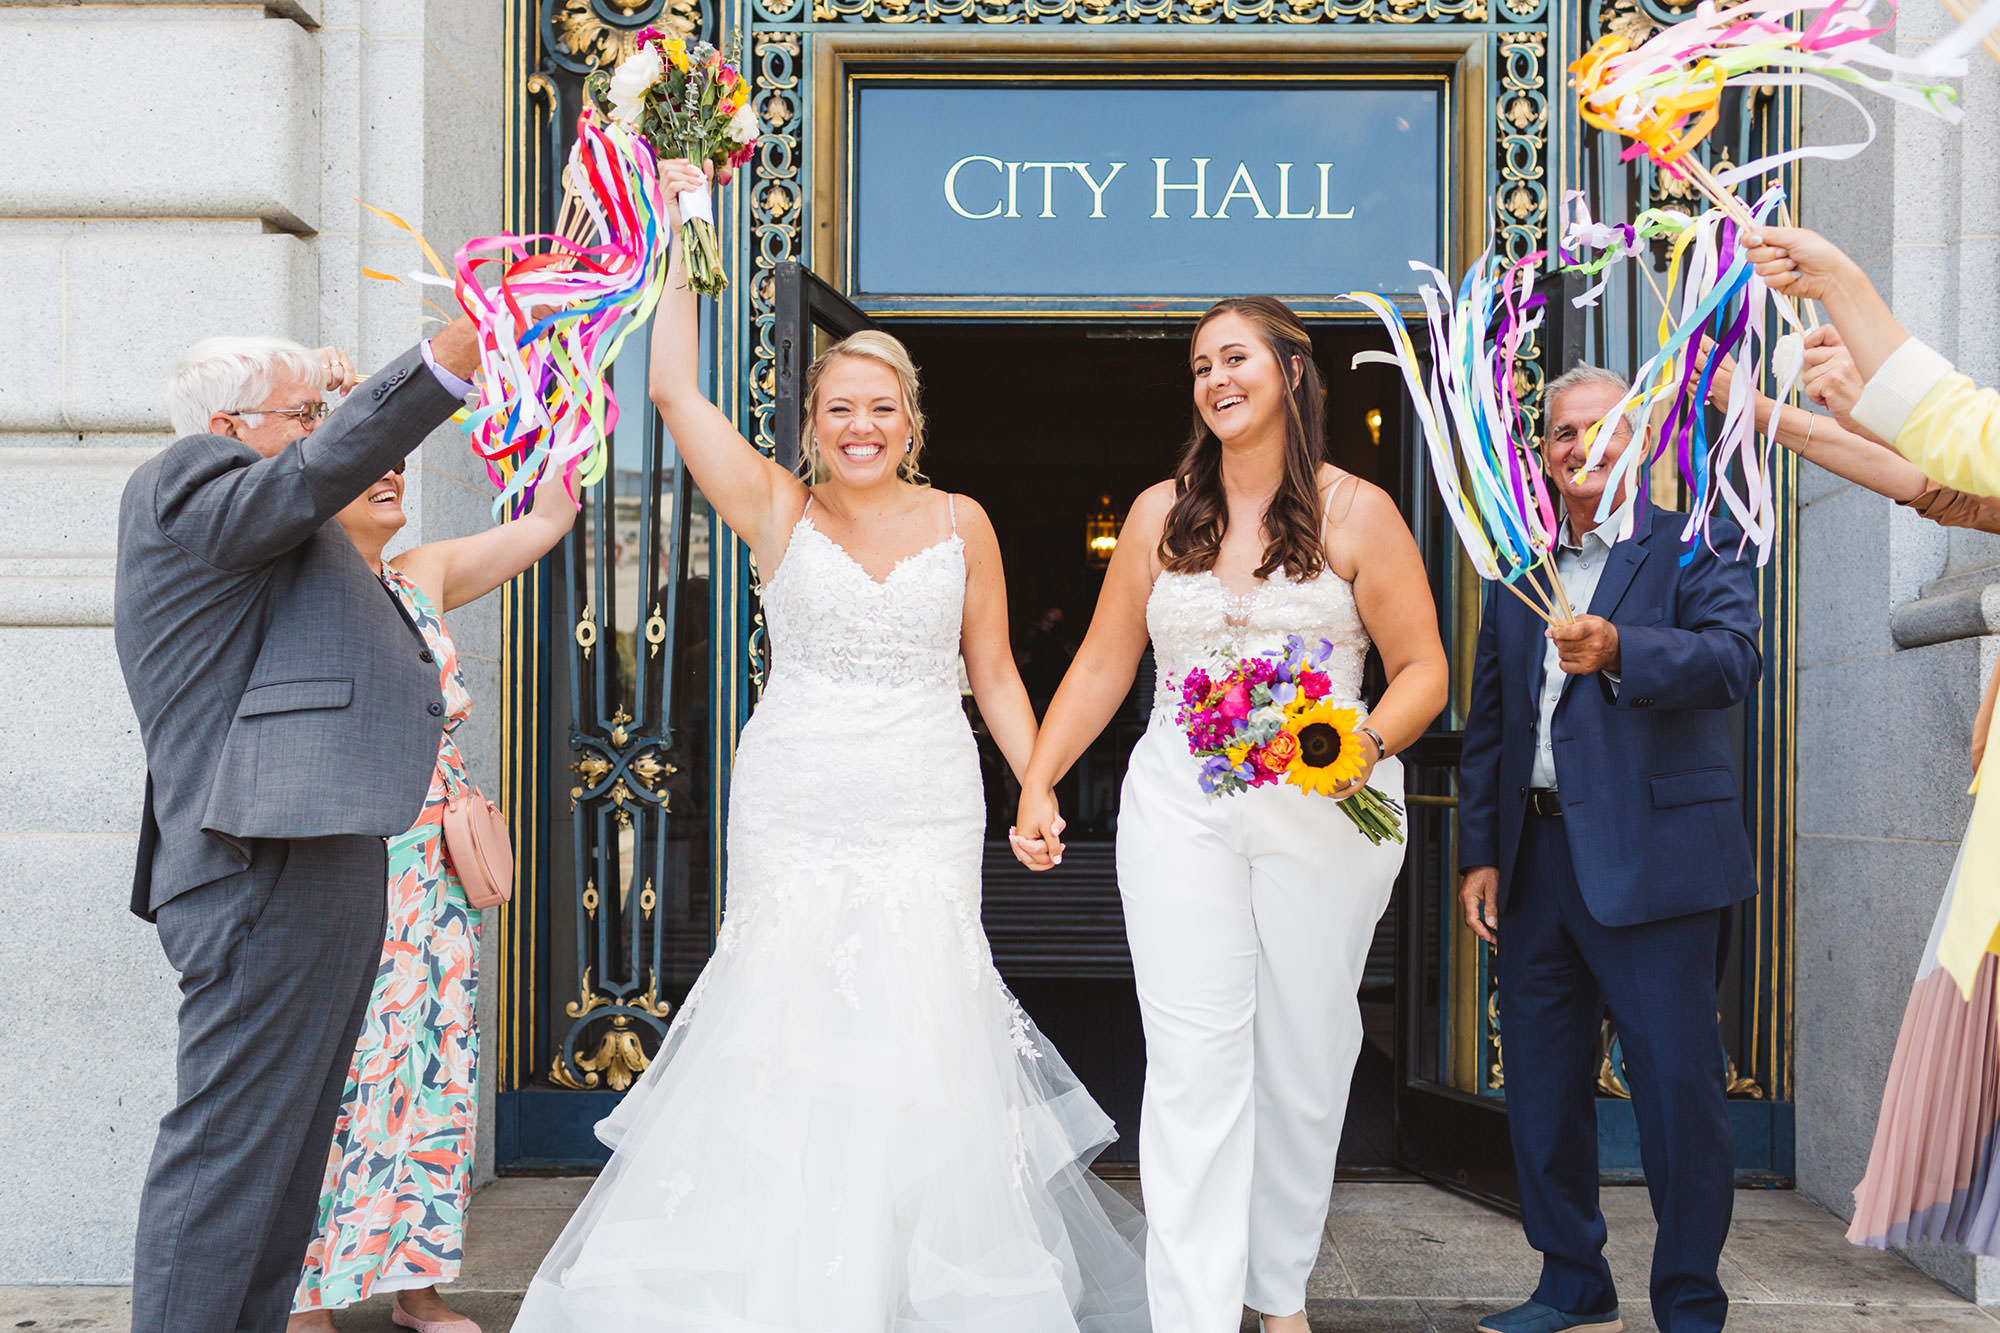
point(951, 508)
point(1332, 493)
point(810, 497)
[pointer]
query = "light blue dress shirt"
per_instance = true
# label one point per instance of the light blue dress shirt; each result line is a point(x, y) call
point(1579, 566)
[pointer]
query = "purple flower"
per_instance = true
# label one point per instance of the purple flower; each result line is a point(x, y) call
point(1283, 692)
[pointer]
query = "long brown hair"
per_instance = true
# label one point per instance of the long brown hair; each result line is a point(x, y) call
point(1192, 537)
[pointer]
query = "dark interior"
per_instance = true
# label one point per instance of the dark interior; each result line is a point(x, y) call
point(1046, 425)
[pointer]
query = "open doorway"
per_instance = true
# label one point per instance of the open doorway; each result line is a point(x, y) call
point(1054, 428)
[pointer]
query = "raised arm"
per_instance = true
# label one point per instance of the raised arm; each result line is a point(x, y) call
point(464, 569)
point(983, 641)
point(1823, 439)
point(759, 500)
point(1101, 675)
point(238, 512)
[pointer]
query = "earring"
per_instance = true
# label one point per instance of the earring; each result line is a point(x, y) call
point(910, 445)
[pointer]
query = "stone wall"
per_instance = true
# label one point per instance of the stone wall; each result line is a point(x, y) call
point(177, 171)
point(1891, 645)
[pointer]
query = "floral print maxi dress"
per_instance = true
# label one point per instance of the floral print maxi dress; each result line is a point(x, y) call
point(392, 1208)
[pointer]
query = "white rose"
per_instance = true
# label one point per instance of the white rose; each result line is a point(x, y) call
point(743, 125)
point(1270, 715)
point(629, 82)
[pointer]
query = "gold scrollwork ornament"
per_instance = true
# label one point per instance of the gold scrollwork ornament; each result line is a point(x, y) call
point(587, 35)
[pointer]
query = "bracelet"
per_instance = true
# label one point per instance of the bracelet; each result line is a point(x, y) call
point(1381, 750)
point(1812, 419)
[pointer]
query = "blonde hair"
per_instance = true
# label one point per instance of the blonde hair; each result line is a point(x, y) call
point(883, 349)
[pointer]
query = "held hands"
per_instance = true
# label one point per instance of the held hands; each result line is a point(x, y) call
point(1359, 780)
point(678, 175)
point(1480, 893)
point(1832, 379)
point(1801, 264)
point(340, 376)
point(1587, 644)
point(1037, 833)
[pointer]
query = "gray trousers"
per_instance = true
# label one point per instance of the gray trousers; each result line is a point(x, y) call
point(277, 963)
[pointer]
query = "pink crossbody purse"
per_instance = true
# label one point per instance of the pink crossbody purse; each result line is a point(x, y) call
point(476, 844)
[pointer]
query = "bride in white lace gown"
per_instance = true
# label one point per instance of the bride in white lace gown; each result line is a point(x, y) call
point(1249, 916)
point(851, 1126)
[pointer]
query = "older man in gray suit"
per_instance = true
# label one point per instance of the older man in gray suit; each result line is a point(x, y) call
point(291, 715)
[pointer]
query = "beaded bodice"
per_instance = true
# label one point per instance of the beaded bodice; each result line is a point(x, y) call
point(1196, 621)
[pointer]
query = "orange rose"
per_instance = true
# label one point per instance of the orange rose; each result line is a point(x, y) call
point(1280, 751)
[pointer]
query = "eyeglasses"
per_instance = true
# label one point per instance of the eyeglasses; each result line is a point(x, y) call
point(310, 414)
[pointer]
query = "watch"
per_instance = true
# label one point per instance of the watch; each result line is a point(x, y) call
point(1381, 750)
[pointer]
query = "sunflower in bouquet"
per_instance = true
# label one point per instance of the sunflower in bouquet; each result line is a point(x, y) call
point(1270, 719)
point(688, 101)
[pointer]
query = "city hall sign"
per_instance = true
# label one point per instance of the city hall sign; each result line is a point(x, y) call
point(963, 190)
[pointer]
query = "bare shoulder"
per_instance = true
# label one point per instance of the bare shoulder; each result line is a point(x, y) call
point(1353, 501)
point(968, 514)
point(1150, 507)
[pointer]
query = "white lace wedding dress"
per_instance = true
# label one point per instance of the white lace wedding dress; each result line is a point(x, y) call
point(852, 1126)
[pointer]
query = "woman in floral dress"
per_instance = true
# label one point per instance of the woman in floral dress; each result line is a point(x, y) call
point(392, 1207)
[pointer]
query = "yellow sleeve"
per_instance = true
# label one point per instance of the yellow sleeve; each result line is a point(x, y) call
point(1937, 418)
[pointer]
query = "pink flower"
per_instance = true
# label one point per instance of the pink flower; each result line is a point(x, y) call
point(1235, 703)
point(1315, 684)
point(1260, 671)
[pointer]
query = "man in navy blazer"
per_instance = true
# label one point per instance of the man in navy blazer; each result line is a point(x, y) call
point(1603, 844)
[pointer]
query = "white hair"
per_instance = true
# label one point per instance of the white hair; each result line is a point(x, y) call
point(231, 374)
point(1575, 378)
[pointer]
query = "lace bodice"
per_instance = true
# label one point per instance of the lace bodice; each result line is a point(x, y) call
point(1195, 621)
point(831, 622)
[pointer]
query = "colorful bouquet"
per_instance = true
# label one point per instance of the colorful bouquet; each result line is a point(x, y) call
point(1268, 719)
point(687, 102)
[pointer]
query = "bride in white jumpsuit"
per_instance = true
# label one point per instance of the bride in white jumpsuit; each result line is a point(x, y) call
point(1249, 916)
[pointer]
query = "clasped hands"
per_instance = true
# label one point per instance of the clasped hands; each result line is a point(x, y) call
point(1036, 837)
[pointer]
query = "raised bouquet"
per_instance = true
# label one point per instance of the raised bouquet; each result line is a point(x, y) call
point(691, 102)
point(1269, 719)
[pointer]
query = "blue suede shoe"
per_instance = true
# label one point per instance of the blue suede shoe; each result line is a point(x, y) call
point(1534, 1317)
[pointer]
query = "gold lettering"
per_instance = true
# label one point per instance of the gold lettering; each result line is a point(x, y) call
point(1242, 187)
point(1326, 169)
point(1285, 194)
point(951, 187)
point(1199, 186)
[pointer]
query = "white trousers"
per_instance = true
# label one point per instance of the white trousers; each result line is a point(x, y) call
point(1249, 918)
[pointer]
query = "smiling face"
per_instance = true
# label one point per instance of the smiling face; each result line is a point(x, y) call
point(375, 516)
point(860, 421)
point(1239, 387)
point(1572, 414)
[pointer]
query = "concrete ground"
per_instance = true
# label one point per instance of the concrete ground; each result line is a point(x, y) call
point(1397, 1259)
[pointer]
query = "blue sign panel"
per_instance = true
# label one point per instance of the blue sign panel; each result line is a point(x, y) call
point(1147, 194)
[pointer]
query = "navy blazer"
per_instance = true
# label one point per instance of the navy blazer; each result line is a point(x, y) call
point(1647, 775)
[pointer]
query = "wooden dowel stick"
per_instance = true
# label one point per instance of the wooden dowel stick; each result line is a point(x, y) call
point(1551, 590)
point(1541, 597)
point(1543, 615)
point(1562, 593)
point(1958, 11)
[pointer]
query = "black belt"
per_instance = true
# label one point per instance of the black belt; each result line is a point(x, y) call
point(1544, 801)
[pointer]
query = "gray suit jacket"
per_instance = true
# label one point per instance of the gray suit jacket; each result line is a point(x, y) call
point(281, 690)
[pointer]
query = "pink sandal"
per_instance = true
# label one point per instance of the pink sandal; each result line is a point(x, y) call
point(402, 1319)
